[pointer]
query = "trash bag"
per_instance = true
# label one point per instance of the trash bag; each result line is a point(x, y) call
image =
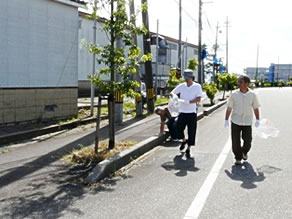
point(266, 129)
point(173, 106)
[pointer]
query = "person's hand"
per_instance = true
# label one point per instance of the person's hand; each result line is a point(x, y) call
point(175, 97)
point(257, 123)
point(226, 124)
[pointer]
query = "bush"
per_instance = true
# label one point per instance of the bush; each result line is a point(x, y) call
point(173, 81)
point(267, 84)
point(211, 90)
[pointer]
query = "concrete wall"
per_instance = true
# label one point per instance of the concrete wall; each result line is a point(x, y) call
point(37, 104)
point(38, 53)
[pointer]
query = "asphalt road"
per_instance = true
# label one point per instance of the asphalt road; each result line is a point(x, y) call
point(163, 184)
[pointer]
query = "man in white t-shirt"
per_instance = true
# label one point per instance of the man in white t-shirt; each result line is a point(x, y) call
point(190, 94)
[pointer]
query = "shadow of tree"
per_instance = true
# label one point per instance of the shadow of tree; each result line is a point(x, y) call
point(180, 165)
point(52, 194)
point(46, 188)
point(246, 174)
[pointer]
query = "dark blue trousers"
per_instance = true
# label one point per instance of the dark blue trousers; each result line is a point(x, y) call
point(189, 120)
point(172, 127)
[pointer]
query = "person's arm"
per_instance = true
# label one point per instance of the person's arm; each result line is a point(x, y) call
point(176, 90)
point(161, 127)
point(196, 100)
point(228, 112)
point(257, 113)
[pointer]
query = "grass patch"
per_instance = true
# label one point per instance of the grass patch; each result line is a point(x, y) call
point(87, 156)
point(161, 100)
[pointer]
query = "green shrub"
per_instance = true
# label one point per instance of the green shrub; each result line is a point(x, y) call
point(267, 84)
point(211, 90)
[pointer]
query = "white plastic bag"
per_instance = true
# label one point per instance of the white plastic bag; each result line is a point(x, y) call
point(266, 129)
point(173, 106)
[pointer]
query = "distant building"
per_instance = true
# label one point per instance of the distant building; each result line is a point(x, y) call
point(262, 73)
point(280, 72)
point(38, 59)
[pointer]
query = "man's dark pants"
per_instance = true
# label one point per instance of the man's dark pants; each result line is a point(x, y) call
point(237, 132)
point(189, 120)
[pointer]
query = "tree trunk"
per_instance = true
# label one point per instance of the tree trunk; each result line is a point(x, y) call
point(97, 124)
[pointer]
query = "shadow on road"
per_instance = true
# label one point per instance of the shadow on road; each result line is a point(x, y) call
point(246, 174)
point(51, 194)
point(47, 188)
point(180, 165)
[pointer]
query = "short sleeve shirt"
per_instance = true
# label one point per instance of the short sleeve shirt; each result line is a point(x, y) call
point(188, 94)
point(242, 105)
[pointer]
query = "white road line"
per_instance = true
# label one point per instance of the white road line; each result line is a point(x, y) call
point(200, 199)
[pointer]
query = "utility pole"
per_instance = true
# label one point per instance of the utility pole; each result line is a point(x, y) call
point(227, 25)
point(156, 64)
point(278, 69)
point(186, 53)
point(215, 49)
point(111, 101)
point(118, 95)
point(179, 37)
point(148, 64)
point(92, 87)
point(257, 64)
point(139, 109)
point(200, 44)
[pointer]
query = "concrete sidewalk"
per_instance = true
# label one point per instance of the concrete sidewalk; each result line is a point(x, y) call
point(17, 133)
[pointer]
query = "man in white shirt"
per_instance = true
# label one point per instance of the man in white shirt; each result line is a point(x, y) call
point(190, 94)
point(243, 103)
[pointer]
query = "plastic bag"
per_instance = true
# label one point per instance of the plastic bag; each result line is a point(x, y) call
point(266, 129)
point(173, 106)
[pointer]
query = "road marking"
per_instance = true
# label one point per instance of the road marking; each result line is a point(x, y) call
point(200, 199)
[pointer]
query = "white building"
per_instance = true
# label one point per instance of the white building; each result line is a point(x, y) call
point(38, 59)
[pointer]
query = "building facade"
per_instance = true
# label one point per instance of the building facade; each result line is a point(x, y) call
point(274, 73)
point(38, 60)
point(262, 73)
point(280, 72)
point(167, 54)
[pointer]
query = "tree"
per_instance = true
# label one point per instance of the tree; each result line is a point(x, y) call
point(227, 82)
point(117, 62)
point(193, 63)
point(173, 81)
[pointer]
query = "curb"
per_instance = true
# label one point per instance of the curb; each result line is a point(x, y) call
point(112, 164)
point(213, 108)
point(108, 166)
point(24, 135)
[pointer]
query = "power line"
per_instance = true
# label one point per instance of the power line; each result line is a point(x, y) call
point(193, 19)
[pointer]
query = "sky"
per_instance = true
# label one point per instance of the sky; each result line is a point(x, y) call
point(254, 25)
point(263, 24)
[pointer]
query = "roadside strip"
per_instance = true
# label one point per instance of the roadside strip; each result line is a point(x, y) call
point(106, 167)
